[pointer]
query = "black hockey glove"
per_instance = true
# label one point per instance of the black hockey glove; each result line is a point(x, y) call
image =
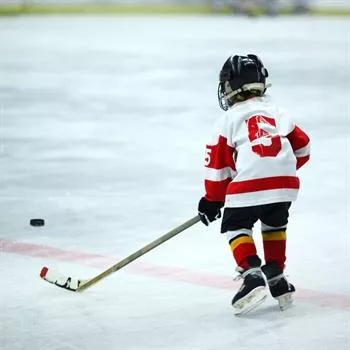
point(209, 211)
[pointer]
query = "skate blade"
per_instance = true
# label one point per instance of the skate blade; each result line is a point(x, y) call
point(250, 301)
point(285, 301)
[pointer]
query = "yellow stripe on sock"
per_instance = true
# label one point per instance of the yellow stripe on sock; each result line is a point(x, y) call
point(275, 236)
point(243, 239)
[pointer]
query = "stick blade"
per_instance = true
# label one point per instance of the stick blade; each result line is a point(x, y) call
point(59, 280)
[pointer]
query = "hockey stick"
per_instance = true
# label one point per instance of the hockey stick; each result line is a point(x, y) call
point(79, 285)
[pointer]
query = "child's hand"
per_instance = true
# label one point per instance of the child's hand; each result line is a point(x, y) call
point(209, 211)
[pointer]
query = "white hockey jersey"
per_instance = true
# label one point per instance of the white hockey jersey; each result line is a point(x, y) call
point(254, 154)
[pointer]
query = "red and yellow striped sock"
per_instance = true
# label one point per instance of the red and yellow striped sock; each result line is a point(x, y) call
point(242, 247)
point(274, 243)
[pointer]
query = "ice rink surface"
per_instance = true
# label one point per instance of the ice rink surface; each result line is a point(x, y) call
point(104, 122)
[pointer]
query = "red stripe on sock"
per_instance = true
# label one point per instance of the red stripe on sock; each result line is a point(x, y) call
point(275, 251)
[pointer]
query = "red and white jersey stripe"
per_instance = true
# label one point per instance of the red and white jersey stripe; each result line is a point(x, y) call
point(255, 151)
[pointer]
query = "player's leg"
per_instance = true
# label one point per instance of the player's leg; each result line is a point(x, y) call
point(301, 6)
point(246, 7)
point(272, 7)
point(237, 224)
point(236, 6)
point(274, 220)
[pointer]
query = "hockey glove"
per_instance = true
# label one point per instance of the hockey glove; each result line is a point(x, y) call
point(209, 211)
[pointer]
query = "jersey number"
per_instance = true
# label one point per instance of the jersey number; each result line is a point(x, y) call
point(207, 158)
point(262, 135)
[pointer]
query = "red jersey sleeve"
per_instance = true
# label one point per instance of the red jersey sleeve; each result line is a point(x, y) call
point(300, 143)
point(219, 169)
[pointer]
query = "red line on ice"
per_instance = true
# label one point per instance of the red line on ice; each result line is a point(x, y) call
point(172, 273)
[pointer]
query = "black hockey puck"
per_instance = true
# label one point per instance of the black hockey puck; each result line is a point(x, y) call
point(37, 222)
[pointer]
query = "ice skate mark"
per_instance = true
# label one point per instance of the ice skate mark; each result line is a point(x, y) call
point(176, 274)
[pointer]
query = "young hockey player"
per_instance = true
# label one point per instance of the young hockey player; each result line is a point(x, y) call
point(251, 166)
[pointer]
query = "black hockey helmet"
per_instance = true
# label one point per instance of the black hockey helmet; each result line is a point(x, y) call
point(240, 77)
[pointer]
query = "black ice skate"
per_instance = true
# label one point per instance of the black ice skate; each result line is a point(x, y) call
point(279, 287)
point(252, 292)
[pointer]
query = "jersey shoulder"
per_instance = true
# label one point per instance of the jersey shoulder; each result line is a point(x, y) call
point(271, 109)
point(222, 128)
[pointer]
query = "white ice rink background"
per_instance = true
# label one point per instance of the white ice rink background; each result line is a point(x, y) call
point(103, 127)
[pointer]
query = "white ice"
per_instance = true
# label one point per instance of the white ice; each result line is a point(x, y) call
point(103, 127)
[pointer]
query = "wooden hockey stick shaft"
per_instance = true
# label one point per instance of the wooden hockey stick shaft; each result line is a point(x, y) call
point(86, 284)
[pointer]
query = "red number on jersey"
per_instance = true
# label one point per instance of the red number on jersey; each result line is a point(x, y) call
point(262, 135)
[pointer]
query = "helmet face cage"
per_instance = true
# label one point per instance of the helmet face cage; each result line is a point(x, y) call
point(224, 103)
point(240, 74)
